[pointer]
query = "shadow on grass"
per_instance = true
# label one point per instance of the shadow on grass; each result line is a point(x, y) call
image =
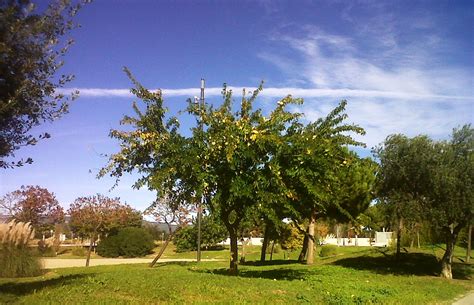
point(24, 288)
point(272, 274)
point(176, 263)
point(463, 271)
point(271, 263)
point(407, 264)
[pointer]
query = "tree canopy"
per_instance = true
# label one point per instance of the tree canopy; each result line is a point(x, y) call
point(240, 160)
point(35, 205)
point(31, 53)
point(422, 179)
point(99, 215)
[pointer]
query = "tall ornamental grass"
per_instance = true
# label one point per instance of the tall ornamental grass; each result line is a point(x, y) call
point(16, 258)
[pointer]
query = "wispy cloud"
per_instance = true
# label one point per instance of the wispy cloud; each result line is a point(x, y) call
point(328, 61)
point(387, 67)
point(273, 93)
point(382, 117)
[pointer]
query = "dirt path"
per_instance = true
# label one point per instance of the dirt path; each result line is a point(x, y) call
point(466, 300)
point(50, 263)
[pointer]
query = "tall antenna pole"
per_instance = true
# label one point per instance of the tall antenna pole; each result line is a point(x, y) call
point(199, 212)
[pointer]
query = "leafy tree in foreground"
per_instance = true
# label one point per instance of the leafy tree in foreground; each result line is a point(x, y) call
point(99, 215)
point(404, 178)
point(337, 185)
point(235, 160)
point(451, 194)
point(435, 178)
point(241, 172)
point(31, 54)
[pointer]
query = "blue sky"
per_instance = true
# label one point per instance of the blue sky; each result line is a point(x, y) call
point(404, 67)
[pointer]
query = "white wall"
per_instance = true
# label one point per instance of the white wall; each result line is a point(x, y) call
point(382, 239)
point(254, 241)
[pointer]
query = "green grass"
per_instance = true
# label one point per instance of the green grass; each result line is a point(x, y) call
point(355, 276)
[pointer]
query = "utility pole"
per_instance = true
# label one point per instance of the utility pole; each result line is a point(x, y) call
point(199, 212)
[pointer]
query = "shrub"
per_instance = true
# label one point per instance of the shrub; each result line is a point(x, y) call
point(212, 233)
point(129, 242)
point(16, 259)
point(186, 239)
point(109, 247)
point(328, 250)
point(46, 248)
point(78, 251)
point(135, 242)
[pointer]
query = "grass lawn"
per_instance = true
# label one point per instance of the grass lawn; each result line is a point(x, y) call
point(357, 275)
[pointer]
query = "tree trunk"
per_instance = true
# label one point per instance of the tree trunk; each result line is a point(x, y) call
point(162, 250)
point(57, 237)
point(163, 247)
point(234, 253)
point(302, 255)
point(447, 260)
point(271, 253)
point(468, 251)
point(310, 256)
point(399, 236)
point(90, 249)
point(265, 244)
point(418, 238)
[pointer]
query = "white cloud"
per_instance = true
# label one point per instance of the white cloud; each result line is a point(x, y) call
point(382, 117)
point(336, 62)
point(394, 84)
point(273, 93)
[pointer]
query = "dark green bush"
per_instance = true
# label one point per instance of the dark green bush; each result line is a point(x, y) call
point(135, 242)
point(186, 239)
point(328, 250)
point(212, 233)
point(129, 242)
point(109, 246)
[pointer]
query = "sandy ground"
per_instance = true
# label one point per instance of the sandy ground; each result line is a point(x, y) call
point(50, 263)
point(466, 300)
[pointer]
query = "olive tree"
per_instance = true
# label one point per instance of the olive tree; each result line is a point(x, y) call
point(430, 181)
point(404, 177)
point(451, 194)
